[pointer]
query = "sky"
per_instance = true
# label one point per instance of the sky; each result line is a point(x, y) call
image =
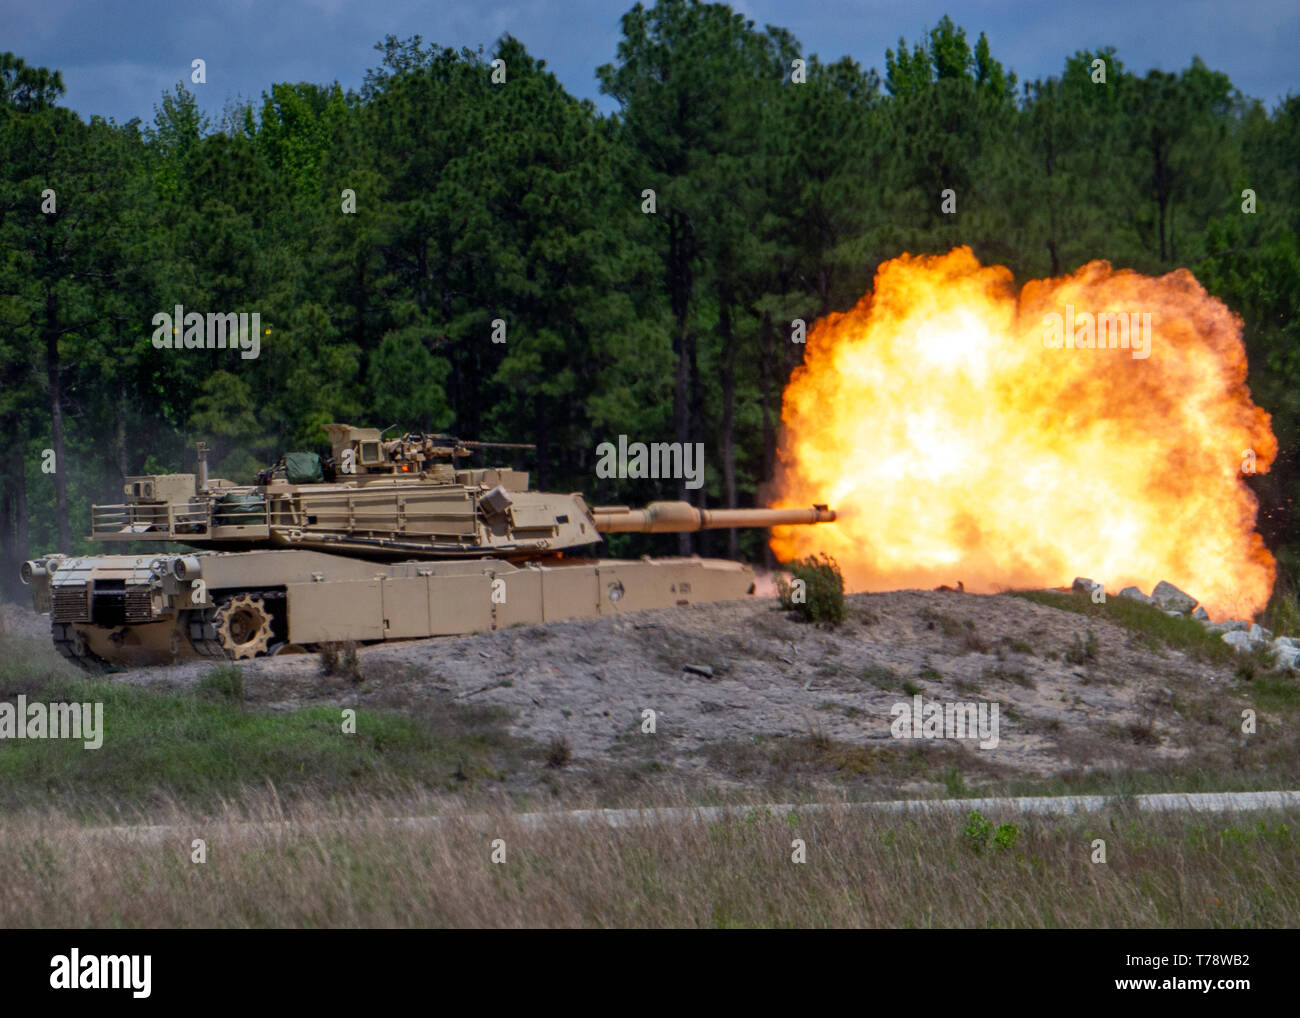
point(119, 56)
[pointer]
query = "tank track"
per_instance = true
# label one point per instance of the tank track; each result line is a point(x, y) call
point(201, 628)
point(70, 643)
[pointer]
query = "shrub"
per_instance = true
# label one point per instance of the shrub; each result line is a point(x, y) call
point(821, 598)
point(341, 659)
point(560, 753)
point(1006, 836)
point(977, 831)
point(817, 736)
point(1082, 650)
point(1258, 661)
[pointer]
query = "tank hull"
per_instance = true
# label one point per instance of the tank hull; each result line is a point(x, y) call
point(143, 610)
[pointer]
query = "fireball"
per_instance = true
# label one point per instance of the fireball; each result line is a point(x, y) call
point(1094, 425)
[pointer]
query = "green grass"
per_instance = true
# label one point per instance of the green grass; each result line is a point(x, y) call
point(880, 677)
point(1147, 621)
point(1277, 691)
point(1015, 675)
point(199, 746)
point(224, 681)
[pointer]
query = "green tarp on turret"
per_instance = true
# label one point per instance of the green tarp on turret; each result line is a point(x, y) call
point(235, 510)
point(303, 468)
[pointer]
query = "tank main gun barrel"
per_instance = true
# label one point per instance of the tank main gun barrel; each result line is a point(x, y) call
point(676, 517)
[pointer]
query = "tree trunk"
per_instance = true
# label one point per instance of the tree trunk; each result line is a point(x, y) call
point(728, 415)
point(53, 381)
point(8, 541)
point(678, 291)
point(767, 464)
point(703, 543)
point(1173, 243)
point(119, 432)
point(1162, 199)
point(13, 520)
point(543, 442)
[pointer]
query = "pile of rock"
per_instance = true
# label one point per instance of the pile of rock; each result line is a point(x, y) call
point(1244, 636)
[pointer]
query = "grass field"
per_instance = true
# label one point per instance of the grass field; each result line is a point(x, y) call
point(347, 865)
point(198, 748)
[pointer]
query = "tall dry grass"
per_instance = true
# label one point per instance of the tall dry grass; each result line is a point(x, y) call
point(348, 865)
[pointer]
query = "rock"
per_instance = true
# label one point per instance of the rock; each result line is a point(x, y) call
point(1236, 638)
point(1258, 634)
point(1170, 598)
point(1286, 641)
point(1201, 615)
point(1083, 585)
point(1134, 594)
point(704, 670)
point(1288, 657)
point(1230, 626)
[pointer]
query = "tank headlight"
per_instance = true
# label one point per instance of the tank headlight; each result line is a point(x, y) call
point(186, 567)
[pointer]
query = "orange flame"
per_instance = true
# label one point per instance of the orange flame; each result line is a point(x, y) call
point(963, 433)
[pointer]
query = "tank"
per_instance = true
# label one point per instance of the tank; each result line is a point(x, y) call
point(382, 540)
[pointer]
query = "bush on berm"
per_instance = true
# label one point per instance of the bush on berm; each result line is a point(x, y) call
point(822, 597)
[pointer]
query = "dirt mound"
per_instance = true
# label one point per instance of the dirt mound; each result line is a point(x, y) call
point(772, 695)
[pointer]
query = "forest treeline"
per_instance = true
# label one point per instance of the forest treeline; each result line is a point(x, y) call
point(778, 189)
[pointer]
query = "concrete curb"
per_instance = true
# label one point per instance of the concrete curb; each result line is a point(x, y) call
point(1198, 802)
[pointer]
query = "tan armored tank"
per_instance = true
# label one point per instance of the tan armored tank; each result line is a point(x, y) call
point(385, 540)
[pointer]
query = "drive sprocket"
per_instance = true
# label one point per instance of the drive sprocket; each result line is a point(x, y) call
point(243, 626)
